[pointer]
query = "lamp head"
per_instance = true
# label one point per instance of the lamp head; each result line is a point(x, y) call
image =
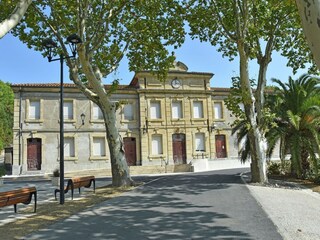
point(82, 116)
point(49, 44)
point(74, 39)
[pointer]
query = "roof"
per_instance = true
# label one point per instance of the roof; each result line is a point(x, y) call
point(65, 85)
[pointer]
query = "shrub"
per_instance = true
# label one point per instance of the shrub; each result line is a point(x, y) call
point(278, 167)
point(56, 173)
point(2, 171)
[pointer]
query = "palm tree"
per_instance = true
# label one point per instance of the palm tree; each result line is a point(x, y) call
point(297, 107)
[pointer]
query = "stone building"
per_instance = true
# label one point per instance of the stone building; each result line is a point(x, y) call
point(181, 120)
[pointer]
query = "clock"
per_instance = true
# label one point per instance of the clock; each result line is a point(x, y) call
point(175, 83)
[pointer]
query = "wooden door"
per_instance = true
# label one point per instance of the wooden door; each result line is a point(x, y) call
point(130, 151)
point(34, 154)
point(221, 149)
point(179, 148)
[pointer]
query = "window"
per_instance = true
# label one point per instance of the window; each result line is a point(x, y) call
point(96, 112)
point(199, 142)
point(69, 147)
point(155, 110)
point(218, 112)
point(99, 147)
point(128, 112)
point(197, 109)
point(176, 109)
point(34, 109)
point(157, 145)
point(68, 110)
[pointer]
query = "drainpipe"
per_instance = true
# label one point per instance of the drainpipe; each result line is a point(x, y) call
point(20, 126)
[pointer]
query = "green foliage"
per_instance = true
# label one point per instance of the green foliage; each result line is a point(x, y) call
point(297, 107)
point(278, 167)
point(6, 115)
point(144, 31)
point(262, 23)
point(2, 170)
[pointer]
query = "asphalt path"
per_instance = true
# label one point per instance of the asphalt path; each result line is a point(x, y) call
point(209, 205)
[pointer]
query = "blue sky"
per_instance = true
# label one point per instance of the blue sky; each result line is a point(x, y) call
point(18, 64)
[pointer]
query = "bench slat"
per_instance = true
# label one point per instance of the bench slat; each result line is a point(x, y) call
point(23, 195)
point(77, 182)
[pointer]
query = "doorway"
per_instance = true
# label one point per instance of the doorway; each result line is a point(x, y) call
point(179, 148)
point(130, 151)
point(34, 154)
point(221, 149)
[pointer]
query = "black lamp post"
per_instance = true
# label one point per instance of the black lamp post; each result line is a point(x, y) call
point(50, 45)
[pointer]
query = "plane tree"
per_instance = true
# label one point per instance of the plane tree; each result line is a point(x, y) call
point(309, 12)
point(143, 31)
point(13, 18)
point(251, 30)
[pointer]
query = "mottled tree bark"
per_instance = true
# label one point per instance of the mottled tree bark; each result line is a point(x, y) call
point(309, 11)
point(15, 17)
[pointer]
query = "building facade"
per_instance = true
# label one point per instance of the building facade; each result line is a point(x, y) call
point(173, 122)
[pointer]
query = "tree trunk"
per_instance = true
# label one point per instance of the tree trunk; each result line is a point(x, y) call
point(309, 12)
point(257, 142)
point(119, 167)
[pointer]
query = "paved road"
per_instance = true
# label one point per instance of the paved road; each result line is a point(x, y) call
point(211, 205)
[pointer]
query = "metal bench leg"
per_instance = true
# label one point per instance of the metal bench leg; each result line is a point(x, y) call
point(35, 202)
point(15, 208)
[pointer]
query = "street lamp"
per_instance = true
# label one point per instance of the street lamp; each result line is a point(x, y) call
point(82, 116)
point(49, 44)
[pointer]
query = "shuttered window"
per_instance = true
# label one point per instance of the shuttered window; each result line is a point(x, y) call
point(128, 112)
point(97, 113)
point(218, 112)
point(69, 147)
point(68, 110)
point(197, 109)
point(157, 144)
point(99, 146)
point(176, 109)
point(155, 110)
point(200, 142)
point(34, 109)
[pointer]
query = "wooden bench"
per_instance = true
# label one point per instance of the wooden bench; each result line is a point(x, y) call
point(78, 182)
point(22, 195)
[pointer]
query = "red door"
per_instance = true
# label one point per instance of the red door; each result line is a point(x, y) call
point(221, 149)
point(179, 148)
point(130, 151)
point(34, 154)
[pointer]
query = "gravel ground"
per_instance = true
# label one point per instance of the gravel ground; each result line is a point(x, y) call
point(293, 208)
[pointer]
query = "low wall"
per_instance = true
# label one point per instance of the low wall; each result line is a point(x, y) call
point(200, 165)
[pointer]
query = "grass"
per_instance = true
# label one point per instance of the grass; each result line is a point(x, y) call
point(50, 212)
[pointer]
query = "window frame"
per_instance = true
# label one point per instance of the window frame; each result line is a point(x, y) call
point(92, 119)
point(94, 157)
point(69, 120)
point(27, 113)
point(221, 110)
point(75, 147)
point(180, 102)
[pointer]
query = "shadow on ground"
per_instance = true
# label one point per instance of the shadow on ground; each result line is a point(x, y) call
point(191, 206)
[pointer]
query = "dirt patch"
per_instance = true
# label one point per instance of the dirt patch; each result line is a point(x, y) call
point(50, 212)
point(303, 182)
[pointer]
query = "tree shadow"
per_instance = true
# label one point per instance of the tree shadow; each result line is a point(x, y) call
point(193, 206)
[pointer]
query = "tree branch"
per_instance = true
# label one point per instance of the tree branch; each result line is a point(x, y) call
point(15, 17)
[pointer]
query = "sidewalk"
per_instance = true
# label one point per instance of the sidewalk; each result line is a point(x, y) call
point(295, 211)
point(45, 193)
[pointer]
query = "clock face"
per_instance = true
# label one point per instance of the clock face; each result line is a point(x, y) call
point(176, 83)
